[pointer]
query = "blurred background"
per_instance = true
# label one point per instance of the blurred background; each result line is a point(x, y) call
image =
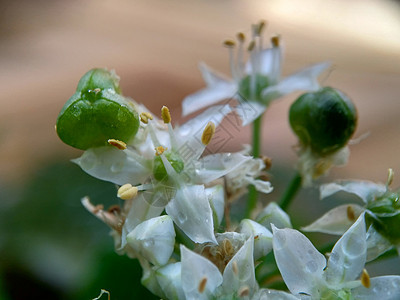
point(50, 247)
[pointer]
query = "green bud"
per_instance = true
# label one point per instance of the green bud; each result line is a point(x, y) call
point(386, 217)
point(159, 170)
point(97, 113)
point(261, 82)
point(324, 120)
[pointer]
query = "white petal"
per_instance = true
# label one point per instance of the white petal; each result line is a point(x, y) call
point(270, 63)
point(239, 272)
point(273, 214)
point(189, 134)
point(348, 256)
point(304, 80)
point(192, 213)
point(262, 237)
point(210, 76)
point(216, 198)
point(195, 270)
point(154, 239)
point(248, 111)
point(376, 244)
point(382, 288)
point(262, 186)
point(169, 279)
point(300, 264)
point(267, 294)
point(335, 221)
point(111, 164)
point(366, 190)
point(211, 167)
point(208, 96)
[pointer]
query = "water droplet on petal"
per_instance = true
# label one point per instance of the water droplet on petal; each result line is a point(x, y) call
point(182, 217)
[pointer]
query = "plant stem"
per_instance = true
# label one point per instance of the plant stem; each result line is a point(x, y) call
point(291, 191)
point(252, 196)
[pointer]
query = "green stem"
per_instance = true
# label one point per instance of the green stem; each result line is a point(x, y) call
point(291, 191)
point(252, 197)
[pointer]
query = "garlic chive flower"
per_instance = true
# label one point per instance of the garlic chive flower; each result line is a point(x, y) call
point(381, 205)
point(308, 275)
point(255, 83)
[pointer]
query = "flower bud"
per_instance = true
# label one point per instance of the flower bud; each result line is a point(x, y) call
point(323, 120)
point(97, 113)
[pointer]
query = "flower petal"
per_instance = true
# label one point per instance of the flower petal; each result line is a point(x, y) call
point(366, 190)
point(262, 237)
point(192, 213)
point(267, 294)
point(111, 164)
point(336, 221)
point(169, 279)
point(273, 214)
point(200, 277)
point(248, 111)
point(300, 264)
point(154, 239)
point(216, 198)
point(382, 288)
point(348, 256)
point(376, 244)
point(210, 76)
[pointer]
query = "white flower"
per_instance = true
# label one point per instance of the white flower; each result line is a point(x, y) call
point(254, 84)
point(273, 214)
point(309, 275)
point(374, 196)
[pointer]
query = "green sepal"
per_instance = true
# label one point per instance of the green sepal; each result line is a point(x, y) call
point(324, 120)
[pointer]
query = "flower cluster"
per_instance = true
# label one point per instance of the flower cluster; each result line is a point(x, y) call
point(176, 219)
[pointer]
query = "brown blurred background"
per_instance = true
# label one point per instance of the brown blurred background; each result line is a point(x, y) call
point(155, 46)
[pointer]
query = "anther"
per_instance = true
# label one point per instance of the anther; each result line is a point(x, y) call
point(241, 37)
point(227, 247)
point(127, 192)
point(208, 133)
point(275, 40)
point(160, 150)
point(365, 279)
point(261, 27)
point(202, 285)
point(267, 162)
point(229, 43)
point(145, 117)
point(235, 268)
point(251, 46)
point(351, 213)
point(390, 177)
point(244, 291)
point(117, 144)
point(166, 116)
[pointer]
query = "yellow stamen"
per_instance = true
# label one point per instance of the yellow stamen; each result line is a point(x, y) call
point(390, 177)
point(145, 117)
point(351, 213)
point(251, 46)
point(241, 37)
point(227, 247)
point(229, 43)
point(235, 268)
point(365, 279)
point(202, 285)
point(127, 192)
point(275, 40)
point(261, 27)
point(166, 116)
point(117, 144)
point(208, 133)
point(160, 150)
point(244, 291)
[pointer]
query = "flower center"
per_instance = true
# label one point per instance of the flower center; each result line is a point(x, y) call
point(251, 87)
point(159, 170)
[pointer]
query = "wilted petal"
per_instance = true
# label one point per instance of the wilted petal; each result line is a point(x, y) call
point(262, 237)
point(382, 288)
point(111, 164)
point(273, 214)
point(300, 264)
point(366, 190)
point(216, 198)
point(248, 111)
point(304, 80)
point(200, 277)
point(169, 279)
point(154, 239)
point(191, 212)
point(337, 220)
point(376, 244)
point(214, 166)
point(348, 256)
point(239, 272)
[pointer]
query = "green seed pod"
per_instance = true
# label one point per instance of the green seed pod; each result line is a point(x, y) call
point(324, 120)
point(245, 89)
point(97, 113)
point(386, 218)
point(159, 170)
